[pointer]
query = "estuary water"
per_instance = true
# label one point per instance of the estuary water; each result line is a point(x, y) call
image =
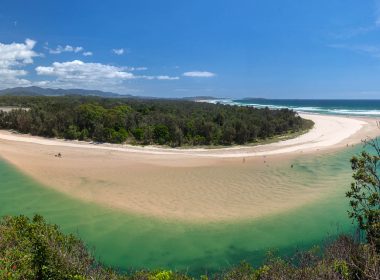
point(128, 241)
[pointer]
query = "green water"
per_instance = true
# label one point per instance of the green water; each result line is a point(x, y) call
point(127, 241)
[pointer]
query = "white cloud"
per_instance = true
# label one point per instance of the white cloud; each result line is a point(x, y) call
point(164, 77)
point(135, 68)
point(118, 51)
point(199, 74)
point(79, 74)
point(59, 49)
point(159, 77)
point(79, 71)
point(16, 53)
point(13, 56)
point(70, 74)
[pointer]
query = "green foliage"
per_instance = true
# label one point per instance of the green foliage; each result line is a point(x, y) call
point(261, 272)
point(72, 132)
point(143, 121)
point(113, 136)
point(33, 249)
point(161, 134)
point(365, 192)
point(162, 275)
point(243, 271)
point(341, 267)
point(138, 133)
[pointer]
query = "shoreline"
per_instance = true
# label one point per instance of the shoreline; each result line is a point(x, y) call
point(328, 132)
point(194, 185)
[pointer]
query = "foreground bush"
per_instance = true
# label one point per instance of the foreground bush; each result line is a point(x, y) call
point(33, 249)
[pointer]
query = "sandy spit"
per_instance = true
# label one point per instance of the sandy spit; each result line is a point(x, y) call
point(195, 185)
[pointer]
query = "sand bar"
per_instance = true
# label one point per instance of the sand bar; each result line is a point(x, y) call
point(328, 132)
point(186, 184)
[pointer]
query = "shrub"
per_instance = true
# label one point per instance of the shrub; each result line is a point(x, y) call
point(365, 192)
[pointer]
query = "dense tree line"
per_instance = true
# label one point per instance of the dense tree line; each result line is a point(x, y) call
point(142, 121)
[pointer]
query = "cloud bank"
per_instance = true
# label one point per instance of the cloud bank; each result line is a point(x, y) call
point(15, 70)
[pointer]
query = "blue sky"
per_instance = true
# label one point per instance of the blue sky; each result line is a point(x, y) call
point(249, 48)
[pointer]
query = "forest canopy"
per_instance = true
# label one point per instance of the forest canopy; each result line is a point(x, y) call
point(146, 121)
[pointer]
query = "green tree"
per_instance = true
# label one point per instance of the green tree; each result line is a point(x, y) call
point(229, 134)
point(115, 136)
point(90, 115)
point(138, 133)
point(116, 117)
point(72, 132)
point(364, 194)
point(161, 134)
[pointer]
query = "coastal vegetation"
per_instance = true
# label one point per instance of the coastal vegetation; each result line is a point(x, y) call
point(147, 121)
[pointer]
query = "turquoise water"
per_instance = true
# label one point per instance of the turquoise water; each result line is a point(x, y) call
point(335, 107)
point(128, 241)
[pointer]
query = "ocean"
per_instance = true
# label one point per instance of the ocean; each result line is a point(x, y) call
point(336, 107)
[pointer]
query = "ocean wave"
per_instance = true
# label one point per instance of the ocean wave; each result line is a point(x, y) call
point(304, 109)
point(356, 112)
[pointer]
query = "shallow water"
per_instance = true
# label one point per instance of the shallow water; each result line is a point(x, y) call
point(128, 241)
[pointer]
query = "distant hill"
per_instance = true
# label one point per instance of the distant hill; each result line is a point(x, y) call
point(37, 91)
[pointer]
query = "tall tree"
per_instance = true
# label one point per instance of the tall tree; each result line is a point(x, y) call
point(364, 194)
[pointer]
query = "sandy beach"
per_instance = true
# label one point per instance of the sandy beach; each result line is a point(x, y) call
point(187, 184)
